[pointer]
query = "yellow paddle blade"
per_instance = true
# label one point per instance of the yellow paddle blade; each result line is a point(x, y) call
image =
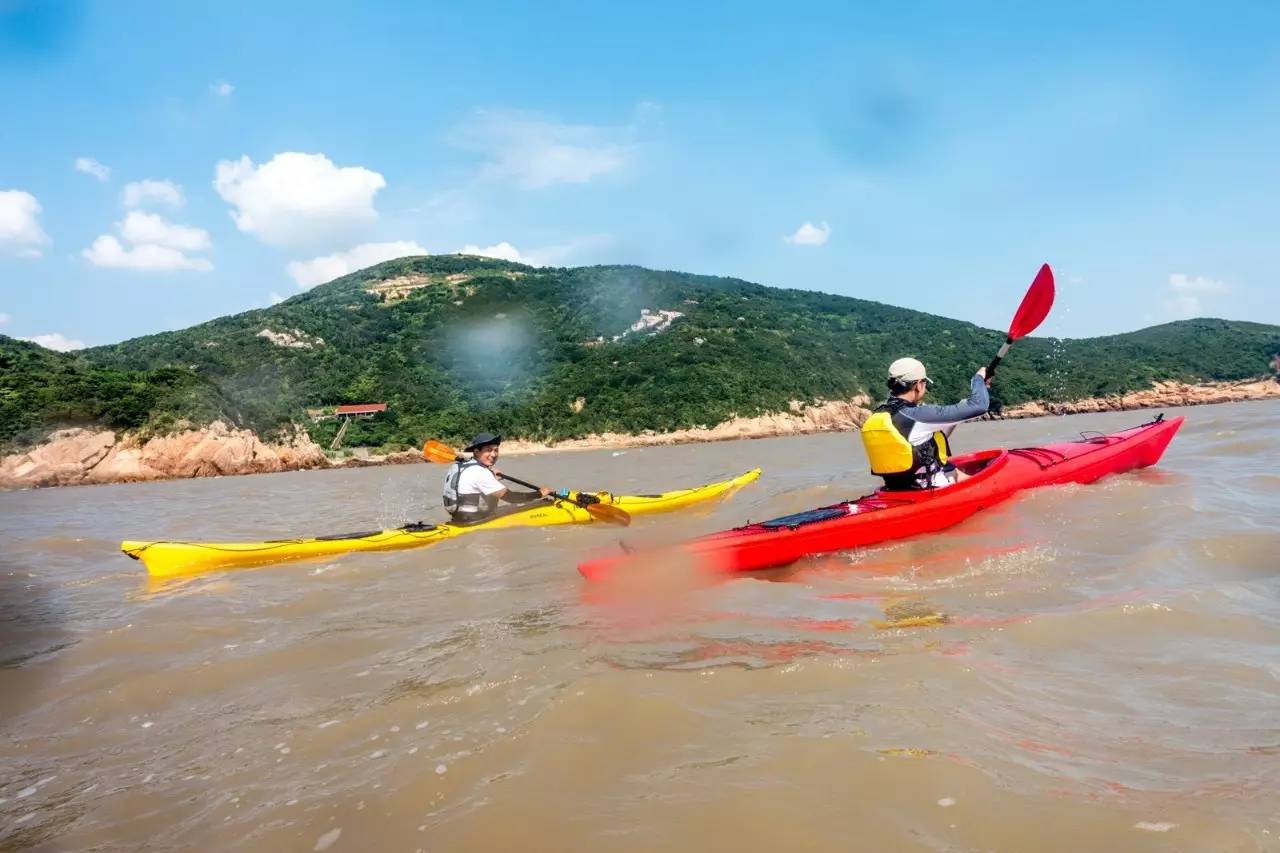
point(438, 451)
point(608, 514)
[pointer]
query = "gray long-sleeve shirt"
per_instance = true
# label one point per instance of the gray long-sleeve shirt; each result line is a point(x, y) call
point(919, 422)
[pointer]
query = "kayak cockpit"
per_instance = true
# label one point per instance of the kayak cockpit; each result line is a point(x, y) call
point(979, 467)
point(974, 464)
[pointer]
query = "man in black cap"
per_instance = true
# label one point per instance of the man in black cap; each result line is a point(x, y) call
point(471, 487)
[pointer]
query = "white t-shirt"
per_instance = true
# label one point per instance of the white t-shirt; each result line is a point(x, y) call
point(479, 480)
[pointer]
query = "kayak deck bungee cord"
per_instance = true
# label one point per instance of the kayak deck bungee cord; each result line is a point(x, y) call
point(170, 559)
point(995, 476)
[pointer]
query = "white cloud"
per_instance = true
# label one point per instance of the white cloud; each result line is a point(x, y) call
point(4, 318)
point(809, 234)
point(158, 245)
point(107, 251)
point(222, 89)
point(90, 166)
point(328, 267)
point(534, 151)
point(296, 197)
point(1185, 292)
point(503, 251)
point(56, 341)
point(138, 193)
point(20, 229)
point(276, 298)
point(139, 227)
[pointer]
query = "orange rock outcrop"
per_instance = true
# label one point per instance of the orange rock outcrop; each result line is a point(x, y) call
point(80, 456)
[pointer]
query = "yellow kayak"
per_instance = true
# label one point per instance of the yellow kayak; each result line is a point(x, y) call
point(169, 559)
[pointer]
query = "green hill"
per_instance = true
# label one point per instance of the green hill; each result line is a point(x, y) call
point(456, 343)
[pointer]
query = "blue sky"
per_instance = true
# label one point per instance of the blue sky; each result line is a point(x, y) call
point(162, 164)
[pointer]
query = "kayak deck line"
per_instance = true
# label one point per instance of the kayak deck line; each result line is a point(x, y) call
point(173, 558)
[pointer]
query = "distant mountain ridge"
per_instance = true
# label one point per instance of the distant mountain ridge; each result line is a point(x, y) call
point(454, 344)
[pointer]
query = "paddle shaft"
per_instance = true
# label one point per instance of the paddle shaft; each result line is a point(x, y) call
point(611, 514)
point(518, 482)
point(995, 362)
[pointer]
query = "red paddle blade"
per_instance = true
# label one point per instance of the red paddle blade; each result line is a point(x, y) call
point(1035, 305)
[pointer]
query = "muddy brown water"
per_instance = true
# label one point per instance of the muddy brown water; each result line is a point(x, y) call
point(1108, 677)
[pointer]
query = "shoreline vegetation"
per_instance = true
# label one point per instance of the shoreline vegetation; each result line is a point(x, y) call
point(88, 457)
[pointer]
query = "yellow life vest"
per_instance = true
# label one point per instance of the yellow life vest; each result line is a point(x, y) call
point(888, 450)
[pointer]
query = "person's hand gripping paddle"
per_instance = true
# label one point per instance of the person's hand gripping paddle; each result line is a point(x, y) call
point(438, 451)
point(1031, 313)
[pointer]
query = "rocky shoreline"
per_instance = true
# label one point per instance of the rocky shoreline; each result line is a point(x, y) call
point(85, 457)
point(1158, 395)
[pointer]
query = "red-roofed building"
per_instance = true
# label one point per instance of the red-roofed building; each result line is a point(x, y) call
point(346, 413)
point(360, 409)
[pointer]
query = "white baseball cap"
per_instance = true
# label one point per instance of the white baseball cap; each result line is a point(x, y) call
point(908, 370)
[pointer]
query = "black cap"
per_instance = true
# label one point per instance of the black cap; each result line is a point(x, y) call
point(481, 440)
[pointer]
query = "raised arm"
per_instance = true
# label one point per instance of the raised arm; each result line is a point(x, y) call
point(940, 417)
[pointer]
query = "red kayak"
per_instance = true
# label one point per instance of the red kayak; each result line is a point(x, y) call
point(995, 476)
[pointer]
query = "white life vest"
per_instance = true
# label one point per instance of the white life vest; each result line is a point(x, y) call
point(460, 505)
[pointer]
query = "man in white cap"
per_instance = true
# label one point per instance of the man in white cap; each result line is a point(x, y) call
point(906, 440)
